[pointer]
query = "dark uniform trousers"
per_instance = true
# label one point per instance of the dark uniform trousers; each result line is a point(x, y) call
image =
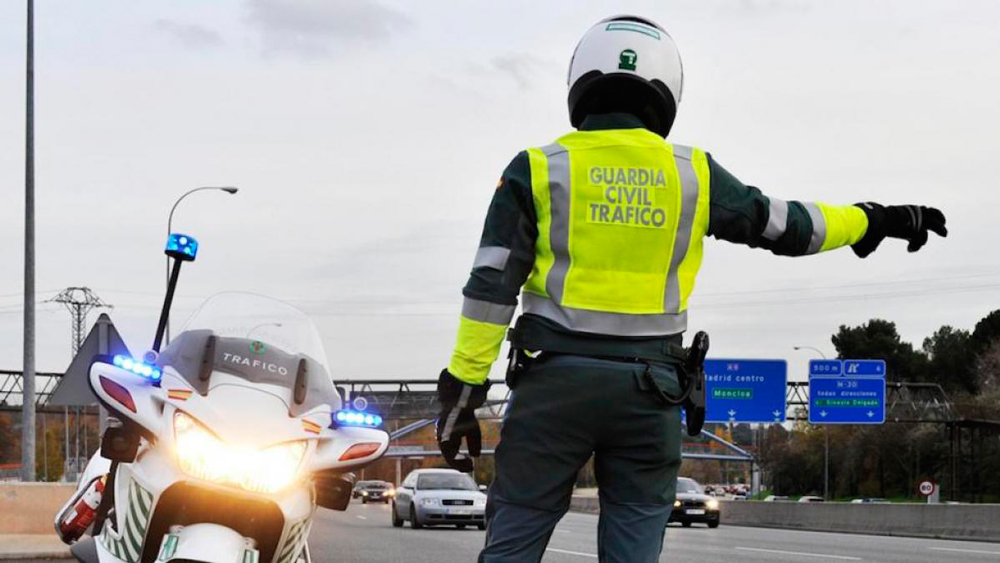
point(563, 409)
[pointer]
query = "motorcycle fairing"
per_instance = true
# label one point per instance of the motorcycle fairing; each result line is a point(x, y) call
point(250, 360)
point(124, 537)
point(295, 541)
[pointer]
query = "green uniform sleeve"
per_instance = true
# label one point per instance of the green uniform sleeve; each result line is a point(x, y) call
point(502, 265)
point(742, 214)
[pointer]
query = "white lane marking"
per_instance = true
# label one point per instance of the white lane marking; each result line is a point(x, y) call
point(983, 552)
point(360, 517)
point(554, 550)
point(842, 557)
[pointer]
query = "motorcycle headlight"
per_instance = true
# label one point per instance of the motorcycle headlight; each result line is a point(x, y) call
point(202, 455)
point(430, 502)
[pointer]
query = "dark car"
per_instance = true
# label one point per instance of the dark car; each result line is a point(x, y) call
point(358, 487)
point(693, 505)
point(374, 491)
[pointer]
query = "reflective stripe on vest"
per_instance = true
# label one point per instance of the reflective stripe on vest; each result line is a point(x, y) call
point(621, 218)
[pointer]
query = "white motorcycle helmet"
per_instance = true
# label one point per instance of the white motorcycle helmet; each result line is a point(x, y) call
point(630, 64)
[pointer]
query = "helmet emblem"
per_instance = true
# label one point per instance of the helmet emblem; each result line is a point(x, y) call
point(257, 347)
point(627, 60)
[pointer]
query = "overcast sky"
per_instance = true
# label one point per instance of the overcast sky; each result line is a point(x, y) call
point(366, 139)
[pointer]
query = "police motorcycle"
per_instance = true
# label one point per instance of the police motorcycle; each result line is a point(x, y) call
point(221, 446)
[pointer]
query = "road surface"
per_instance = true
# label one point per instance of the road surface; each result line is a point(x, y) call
point(364, 534)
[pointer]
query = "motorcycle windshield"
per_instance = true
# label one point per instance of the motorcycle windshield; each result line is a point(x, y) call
point(258, 318)
point(257, 338)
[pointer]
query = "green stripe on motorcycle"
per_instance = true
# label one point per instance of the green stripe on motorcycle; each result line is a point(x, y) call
point(143, 503)
point(133, 535)
point(290, 542)
point(169, 548)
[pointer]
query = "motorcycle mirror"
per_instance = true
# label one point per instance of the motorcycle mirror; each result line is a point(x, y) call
point(119, 443)
point(301, 382)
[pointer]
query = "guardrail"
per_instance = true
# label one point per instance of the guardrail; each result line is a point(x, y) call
point(977, 522)
point(943, 521)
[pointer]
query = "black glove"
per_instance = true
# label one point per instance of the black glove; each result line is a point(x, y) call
point(459, 402)
point(909, 222)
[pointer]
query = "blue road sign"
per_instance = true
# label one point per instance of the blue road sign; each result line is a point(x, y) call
point(864, 367)
point(751, 391)
point(846, 392)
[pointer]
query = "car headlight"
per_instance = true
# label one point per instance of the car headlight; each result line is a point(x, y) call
point(202, 455)
point(430, 501)
point(712, 504)
point(480, 503)
point(677, 504)
point(390, 493)
point(364, 493)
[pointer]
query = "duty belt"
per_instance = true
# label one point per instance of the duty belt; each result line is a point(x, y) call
point(534, 333)
point(532, 336)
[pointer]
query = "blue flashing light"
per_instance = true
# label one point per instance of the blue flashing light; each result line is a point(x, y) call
point(184, 245)
point(352, 418)
point(150, 372)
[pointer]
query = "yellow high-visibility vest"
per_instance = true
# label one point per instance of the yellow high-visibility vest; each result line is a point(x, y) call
point(622, 215)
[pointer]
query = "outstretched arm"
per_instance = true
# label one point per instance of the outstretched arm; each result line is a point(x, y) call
point(742, 214)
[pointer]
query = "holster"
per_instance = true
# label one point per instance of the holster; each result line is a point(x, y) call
point(691, 377)
point(519, 362)
point(694, 375)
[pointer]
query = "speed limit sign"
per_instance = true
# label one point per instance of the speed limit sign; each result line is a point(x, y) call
point(927, 488)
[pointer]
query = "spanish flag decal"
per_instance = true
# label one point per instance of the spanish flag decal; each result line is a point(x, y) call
point(310, 426)
point(179, 394)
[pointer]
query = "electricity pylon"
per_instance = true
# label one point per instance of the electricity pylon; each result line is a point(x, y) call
point(79, 301)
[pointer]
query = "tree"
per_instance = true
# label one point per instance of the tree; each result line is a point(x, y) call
point(53, 452)
point(988, 368)
point(987, 332)
point(9, 441)
point(951, 360)
point(878, 339)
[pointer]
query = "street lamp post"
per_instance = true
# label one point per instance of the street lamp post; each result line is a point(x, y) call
point(170, 220)
point(28, 372)
point(826, 432)
point(813, 348)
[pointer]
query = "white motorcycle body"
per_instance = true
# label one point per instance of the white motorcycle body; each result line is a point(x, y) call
point(239, 396)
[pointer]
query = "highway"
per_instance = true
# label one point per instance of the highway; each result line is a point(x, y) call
point(364, 534)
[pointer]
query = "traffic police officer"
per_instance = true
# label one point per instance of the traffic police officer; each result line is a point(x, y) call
point(601, 233)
